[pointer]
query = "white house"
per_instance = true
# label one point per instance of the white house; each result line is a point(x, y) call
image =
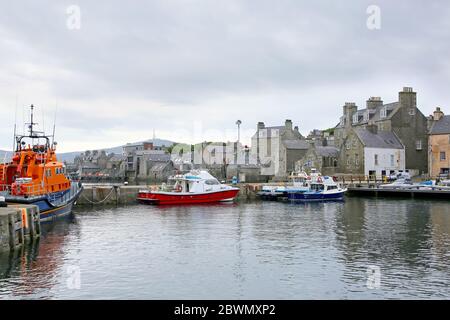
point(372, 152)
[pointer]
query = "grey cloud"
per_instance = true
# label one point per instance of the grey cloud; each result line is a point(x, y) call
point(188, 55)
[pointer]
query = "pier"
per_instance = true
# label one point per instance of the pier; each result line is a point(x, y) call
point(19, 224)
point(119, 194)
point(412, 192)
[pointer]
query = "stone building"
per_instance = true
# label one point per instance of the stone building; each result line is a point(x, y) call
point(322, 158)
point(277, 148)
point(368, 151)
point(439, 145)
point(402, 118)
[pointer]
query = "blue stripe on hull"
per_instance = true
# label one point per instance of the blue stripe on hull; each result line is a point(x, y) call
point(315, 196)
point(50, 215)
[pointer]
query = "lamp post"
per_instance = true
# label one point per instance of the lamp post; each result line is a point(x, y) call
point(238, 123)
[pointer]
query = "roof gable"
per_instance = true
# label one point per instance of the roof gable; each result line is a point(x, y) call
point(442, 126)
point(381, 139)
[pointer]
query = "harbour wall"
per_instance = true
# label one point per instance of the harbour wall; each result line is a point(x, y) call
point(122, 194)
point(19, 224)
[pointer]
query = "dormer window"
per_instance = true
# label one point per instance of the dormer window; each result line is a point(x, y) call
point(383, 112)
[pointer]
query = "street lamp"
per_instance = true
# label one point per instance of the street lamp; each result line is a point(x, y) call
point(238, 123)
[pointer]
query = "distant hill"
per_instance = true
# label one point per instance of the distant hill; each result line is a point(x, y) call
point(70, 156)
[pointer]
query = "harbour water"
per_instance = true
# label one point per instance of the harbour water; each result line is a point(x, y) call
point(363, 248)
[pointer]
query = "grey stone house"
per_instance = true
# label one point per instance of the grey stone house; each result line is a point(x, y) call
point(402, 118)
point(277, 148)
point(322, 158)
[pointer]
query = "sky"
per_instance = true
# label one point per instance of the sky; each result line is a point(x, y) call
point(112, 72)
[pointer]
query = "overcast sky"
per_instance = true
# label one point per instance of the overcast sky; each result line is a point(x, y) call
point(189, 68)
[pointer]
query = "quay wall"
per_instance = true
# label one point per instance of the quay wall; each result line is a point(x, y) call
point(19, 224)
point(125, 194)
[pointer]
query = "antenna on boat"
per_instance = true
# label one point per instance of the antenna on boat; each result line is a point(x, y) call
point(15, 125)
point(54, 124)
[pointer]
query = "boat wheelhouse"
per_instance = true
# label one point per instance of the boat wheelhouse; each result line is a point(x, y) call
point(318, 188)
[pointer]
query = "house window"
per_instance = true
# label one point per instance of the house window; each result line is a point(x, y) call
point(213, 153)
point(355, 118)
point(376, 159)
point(392, 160)
point(418, 144)
point(348, 161)
point(348, 145)
point(356, 160)
point(442, 155)
point(383, 113)
point(366, 116)
point(412, 111)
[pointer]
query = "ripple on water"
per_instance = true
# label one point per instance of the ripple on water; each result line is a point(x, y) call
point(246, 251)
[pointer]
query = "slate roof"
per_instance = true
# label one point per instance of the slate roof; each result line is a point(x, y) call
point(157, 157)
point(375, 114)
point(159, 166)
point(326, 151)
point(442, 126)
point(296, 144)
point(382, 139)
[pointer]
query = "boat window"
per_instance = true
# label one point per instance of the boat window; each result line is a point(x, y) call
point(211, 182)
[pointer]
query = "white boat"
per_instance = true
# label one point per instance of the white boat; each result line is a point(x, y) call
point(403, 180)
point(318, 188)
point(275, 192)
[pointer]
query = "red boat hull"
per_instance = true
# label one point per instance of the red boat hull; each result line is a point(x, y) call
point(186, 198)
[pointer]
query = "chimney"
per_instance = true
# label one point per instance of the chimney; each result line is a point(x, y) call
point(349, 109)
point(407, 98)
point(288, 124)
point(374, 102)
point(261, 125)
point(437, 114)
point(372, 127)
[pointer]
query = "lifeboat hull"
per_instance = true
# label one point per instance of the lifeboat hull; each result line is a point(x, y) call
point(156, 197)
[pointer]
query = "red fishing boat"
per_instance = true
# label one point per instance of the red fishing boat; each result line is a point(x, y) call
point(197, 186)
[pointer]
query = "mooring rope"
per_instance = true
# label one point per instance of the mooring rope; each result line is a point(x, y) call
point(98, 202)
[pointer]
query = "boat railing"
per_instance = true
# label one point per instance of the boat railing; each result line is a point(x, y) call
point(57, 199)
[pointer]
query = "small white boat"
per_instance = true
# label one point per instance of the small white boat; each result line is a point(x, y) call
point(275, 192)
point(318, 188)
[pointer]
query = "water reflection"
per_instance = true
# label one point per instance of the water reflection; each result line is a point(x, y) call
point(247, 250)
point(34, 268)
